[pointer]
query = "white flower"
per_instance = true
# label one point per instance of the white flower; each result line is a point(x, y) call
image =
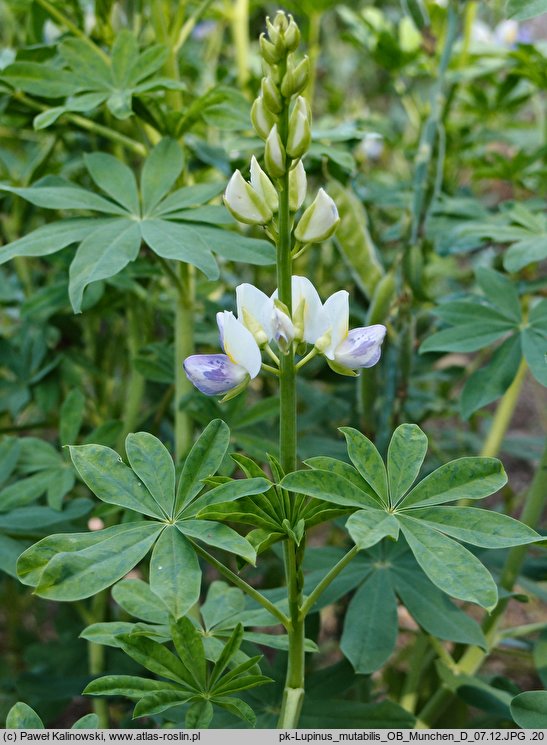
point(217, 374)
point(245, 203)
point(282, 328)
point(319, 221)
point(255, 311)
point(263, 186)
point(262, 118)
point(347, 349)
point(307, 311)
point(506, 33)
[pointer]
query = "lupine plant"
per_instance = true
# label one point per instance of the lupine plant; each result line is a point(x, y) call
point(221, 545)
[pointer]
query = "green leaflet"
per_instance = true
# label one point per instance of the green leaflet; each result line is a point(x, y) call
point(102, 469)
point(218, 535)
point(463, 478)
point(130, 686)
point(115, 178)
point(203, 460)
point(137, 599)
point(367, 527)
point(529, 709)
point(21, 716)
point(405, 456)
point(175, 574)
point(189, 645)
point(80, 574)
point(368, 645)
point(160, 171)
point(152, 463)
point(329, 487)
point(448, 565)
point(479, 527)
point(368, 461)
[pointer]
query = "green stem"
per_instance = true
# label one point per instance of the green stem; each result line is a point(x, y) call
point(239, 20)
point(136, 384)
point(238, 582)
point(190, 24)
point(96, 658)
point(327, 579)
point(88, 125)
point(504, 413)
point(293, 692)
point(57, 15)
point(411, 687)
point(184, 347)
point(472, 659)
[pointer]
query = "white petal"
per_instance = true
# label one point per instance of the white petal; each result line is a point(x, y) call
point(315, 321)
point(240, 345)
point(263, 186)
point(319, 221)
point(336, 309)
point(213, 374)
point(361, 347)
point(245, 203)
point(254, 308)
point(298, 185)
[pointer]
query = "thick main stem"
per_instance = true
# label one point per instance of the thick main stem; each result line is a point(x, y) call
point(504, 413)
point(293, 694)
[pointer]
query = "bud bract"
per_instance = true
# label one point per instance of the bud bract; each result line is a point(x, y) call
point(319, 221)
point(292, 35)
point(262, 118)
point(274, 154)
point(263, 186)
point(245, 204)
point(298, 184)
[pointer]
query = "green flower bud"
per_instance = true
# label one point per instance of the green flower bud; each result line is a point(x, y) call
point(263, 186)
point(274, 154)
point(245, 204)
point(270, 95)
point(319, 221)
point(299, 137)
point(298, 184)
point(296, 78)
point(292, 35)
point(269, 51)
point(262, 118)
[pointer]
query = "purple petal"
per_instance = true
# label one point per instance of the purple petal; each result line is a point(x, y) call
point(361, 347)
point(214, 374)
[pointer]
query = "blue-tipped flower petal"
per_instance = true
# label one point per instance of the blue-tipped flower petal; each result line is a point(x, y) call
point(361, 347)
point(214, 374)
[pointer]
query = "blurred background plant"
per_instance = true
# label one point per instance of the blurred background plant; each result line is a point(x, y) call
point(429, 129)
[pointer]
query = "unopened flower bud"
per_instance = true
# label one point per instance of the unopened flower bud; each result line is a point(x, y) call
point(299, 137)
point(274, 154)
point(298, 184)
point(280, 23)
point(270, 95)
point(245, 204)
point(269, 51)
point(319, 221)
point(296, 78)
point(263, 186)
point(292, 35)
point(262, 118)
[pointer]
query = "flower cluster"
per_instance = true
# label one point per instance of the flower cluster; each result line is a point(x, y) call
point(263, 320)
point(286, 140)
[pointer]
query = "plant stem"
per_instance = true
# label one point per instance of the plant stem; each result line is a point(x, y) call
point(96, 657)
point(136, 384)
point(88, 125)
point(184, 347)
point(238, 582)
point(293, 694)
point(239, 19)
point(67, 23)
point(190, 24)
point(472, 659)
point(504, 413)
point(411, 687)
point(327, 579)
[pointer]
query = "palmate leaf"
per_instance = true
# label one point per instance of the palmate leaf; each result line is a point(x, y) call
point(165, 223)
point(428, 529)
